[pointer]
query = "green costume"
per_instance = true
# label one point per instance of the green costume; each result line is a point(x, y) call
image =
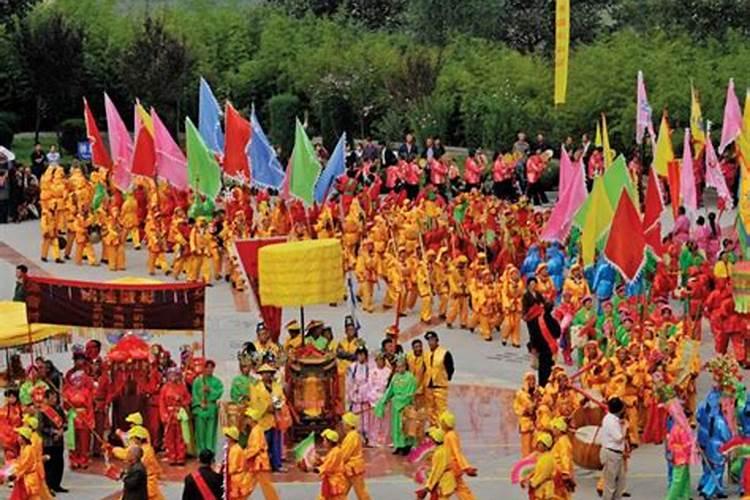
point(26, 391)
point(400, 392)
point(321, 343)
point(240, 390)
point(580, 320)
point(207, 390)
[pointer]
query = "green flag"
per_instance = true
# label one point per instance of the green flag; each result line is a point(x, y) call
point(204, 174)
point(100, 193)
point(459, 212)
point(304, 452)
point(614, 179)
point(304, 166)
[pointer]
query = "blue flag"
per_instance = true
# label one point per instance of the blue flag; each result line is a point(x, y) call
point(209, 119)
point(336, 167)
point(266, 170)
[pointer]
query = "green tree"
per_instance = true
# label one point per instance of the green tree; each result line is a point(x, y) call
point(13, 10)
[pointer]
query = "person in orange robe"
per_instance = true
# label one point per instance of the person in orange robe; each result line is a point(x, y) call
point(331, 469)
point(258, 463)
point(459, 462)
point(354, 460)
point(10, 419)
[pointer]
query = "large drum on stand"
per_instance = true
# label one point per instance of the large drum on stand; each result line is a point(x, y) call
point(585, 424)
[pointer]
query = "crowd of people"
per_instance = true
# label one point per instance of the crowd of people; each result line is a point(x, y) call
point(19, 182)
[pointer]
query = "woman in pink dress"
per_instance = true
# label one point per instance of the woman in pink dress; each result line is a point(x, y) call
point(681, 231)
point(714, 241)
point(702, 235)
point(380, 374)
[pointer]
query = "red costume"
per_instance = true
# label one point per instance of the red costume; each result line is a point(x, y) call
point(173, 397)
point(79, 397)
point(11, 416)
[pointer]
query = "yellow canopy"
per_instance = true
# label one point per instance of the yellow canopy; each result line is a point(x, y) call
point(133, 280)
point(15, 328)
point(301, 273)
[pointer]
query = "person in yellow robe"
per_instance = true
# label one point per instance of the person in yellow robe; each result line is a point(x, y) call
point(49, 236)
point(332, 469)
point(486, 305)
point(541, 482)
point(130, 221)
point(267, 398)
point(80, 228)
point(459, 462)
point(416, 363)
point(113, 239)
point(513, 289)
point(440, 281)
point(138, 436)
point(562, 451)
point(25, 469)
point(576, 285)
point(235, 466)
point(354, 459)
point(439, 372)
point(524, 406)
point(459, 293)
point(424, 286)
point(36, 444)
point(295, 339)
point(257, 462)
point(200, 249)
point(394, 277)
point(366, 271)
point(441, 480)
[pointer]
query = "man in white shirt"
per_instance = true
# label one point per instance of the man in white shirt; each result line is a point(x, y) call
point(613, 436)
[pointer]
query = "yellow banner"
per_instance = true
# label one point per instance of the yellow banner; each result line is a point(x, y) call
point(743, 205)
point(562, 46)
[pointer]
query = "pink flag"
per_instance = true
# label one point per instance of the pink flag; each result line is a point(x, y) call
point(120, 145)
point(688, 195)
point(714, 176)
point(171, 163)
point(572, 194)
point(732, 125)
point(643, 120)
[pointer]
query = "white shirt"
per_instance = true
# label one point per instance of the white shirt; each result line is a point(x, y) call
point(612, 433)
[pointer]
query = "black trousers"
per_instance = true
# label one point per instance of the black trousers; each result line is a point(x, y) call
point(546, 362)
point(54, 467)
point(536, 193)
point(4, 209)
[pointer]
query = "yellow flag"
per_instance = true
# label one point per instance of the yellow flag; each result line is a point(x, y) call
point(664, 152)
point(697, 131)
point(562, 46)
point(743, 141)
point(609, 155)
point(145, 118)
point(598, 220)
point(598, 137)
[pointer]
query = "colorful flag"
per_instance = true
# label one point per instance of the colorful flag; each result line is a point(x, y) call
point(598, 136)
point(572, 194)
point(171, 163)
point(336, 167)
point(697, 126)
point(673, 180)
point(235, 147)
point(653, 208)
point(304, 452)
point(664, 152)
point(562, 46)
point(743, 205)
point(304, 168)
point(203, 171)
point(732, 123)
point(120, 145)
point(688, 194)
point(609, 155)
point(598, 220)
point(267, 171)
point(626, 245)
point(209, 118)
point(99, 155)
point(714, 176)
point(614, 180)
point(643, 118)
point(144, 153)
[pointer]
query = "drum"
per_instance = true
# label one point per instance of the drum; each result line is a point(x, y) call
point(585, 424)
point(413, 422)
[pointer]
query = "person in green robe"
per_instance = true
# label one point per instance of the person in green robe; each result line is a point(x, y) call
point(315, 336)
point(207, 390)
point(32, 382)
point(582, 327)
point(690, 256)
point(400, 393)
point(239, 392)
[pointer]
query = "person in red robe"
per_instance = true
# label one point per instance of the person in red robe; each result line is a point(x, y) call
point(174, 402)
point(151, 388)
point(11, 416)
point(78, 396)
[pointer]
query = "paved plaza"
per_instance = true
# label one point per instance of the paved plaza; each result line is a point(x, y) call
point(487, 375)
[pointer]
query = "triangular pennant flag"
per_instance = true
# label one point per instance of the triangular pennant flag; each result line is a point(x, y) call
point(235, 147)
point(598, 136)
point(99, 155)
point(697, 126)
point(203, 171)
point(171, 163)
point(732, 123)
point(209, 118)
point(615, 179)
point(267, 171)
point(336, 166)
point(688, 193)
point(304, 167)
point(598, 220)
point(572, 196)
point(626, 245)
point(653, 208)
point(609, 155)
point(120, 145)
point(144, 153)
point(664, 152)
point(714, 176)
point(643, 120)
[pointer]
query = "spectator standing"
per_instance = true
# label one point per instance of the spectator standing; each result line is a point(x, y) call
point(370, 151)
point(53, 156)
point(205, 481)
point(38, 160)
point(438, 150)
point(521, 146)
point(540, 146)
point(52, 421)
point(408, 150)
point(134, 479)
point(613, 452)
point(19, 294)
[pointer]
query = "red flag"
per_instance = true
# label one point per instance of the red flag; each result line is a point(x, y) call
point(653, 207)
point(99, 155)
point(235, 144)
point(673, 177)
point(144, 154)
point(626, 244)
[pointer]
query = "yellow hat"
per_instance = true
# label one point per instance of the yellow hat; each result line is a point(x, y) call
point(31, 421)
point(448, 420)
point(266, 368)
point(139, 432)
point(293, 325)
point(462, 259)
point(231, 432)
point(558, 423)
point(25, 432)
point(134, 418)
point(254, 414)
point(330, 435)
point(350, 419)
point(545, 439)
point(436, 434)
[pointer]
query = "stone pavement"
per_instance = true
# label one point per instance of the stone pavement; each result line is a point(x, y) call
point(487, 374)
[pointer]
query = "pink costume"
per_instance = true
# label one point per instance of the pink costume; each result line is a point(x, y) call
point(358, 395)
point(702, 236)
point(378, 383)
point(681, 230)
point(472, 171)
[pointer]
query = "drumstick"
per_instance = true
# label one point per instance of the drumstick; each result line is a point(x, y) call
point(583, 370)
point(589, 397)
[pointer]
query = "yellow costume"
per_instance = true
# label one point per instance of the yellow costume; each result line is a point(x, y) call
point(26, 469)
point(156, 248)
point(459, 462)
point(524, 406)
point(353, 458)
point(332, 471)
point(258, 463)
point(575, 284)
point(562, 451)
point(441, 478)
point(436, 383)
point(440, 281)
point(235, 469)
point(424, 289)
point(130, 220)
point(513, 289)
point(418, 368)
point(200, 250)
point(542, 480)
point(366, 271)
point(114, 241)
point(49, 236)
point(459, 293)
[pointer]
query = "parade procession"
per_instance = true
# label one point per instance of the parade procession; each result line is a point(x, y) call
point(199, 309)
